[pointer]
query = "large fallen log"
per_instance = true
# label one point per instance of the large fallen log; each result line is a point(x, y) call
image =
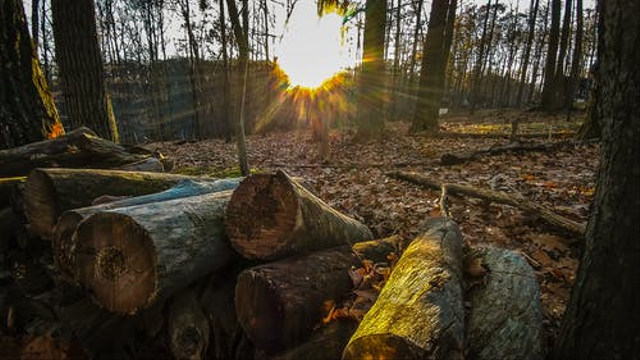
point(519, 202)
point(187, 328)
point(131, 257)
point(279, 303)
point(49, 192)
point(62, 241)
point(78, 148)
point(505, 318)
point(419, 313)
point(271, 216)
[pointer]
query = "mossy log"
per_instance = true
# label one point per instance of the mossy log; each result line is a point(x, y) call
point(187, 327)
point(279, 303)
point(505, 319)
point(62, 242)
point(49, 192)
point(419, 313)
point(271, 216)
point(326, 342)
point(131, 257)
point(78, 148)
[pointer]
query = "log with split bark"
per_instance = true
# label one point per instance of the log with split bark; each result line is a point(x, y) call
point(131, 257)
point(78, 148)
point(49, 192)
point(505, 317)
point(62, 241)
point(544, 213)
point(279, 303)
point(419, 313)
point(271, 216)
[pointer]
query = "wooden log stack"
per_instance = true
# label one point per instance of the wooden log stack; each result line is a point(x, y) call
point(166, 266)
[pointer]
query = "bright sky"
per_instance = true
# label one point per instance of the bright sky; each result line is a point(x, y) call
point(310, 50)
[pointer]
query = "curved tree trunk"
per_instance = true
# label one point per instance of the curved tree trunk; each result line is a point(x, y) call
point(602, 318)
point(27, 111)
point(81, 68)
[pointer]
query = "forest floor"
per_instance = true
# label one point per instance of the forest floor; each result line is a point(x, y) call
point(354, 182)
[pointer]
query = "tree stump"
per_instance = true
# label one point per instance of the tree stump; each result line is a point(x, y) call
point(49, 192)
point(131, 257)
point(419, 313)
point(279, 303)
point(505, 319)
point(271, 216)
point(62, 242)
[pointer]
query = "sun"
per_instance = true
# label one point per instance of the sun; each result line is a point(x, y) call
point(311, 50)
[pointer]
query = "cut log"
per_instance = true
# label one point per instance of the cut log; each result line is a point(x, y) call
point(271, 216)
point(550, 217)
point(419, 313)
point(49, 192)
point(79, 148)
point(131, 257)
point(7, 187)
point(327, 342)
point(13, 162)
point(279, 303)
point(62, 243)
point(505, 319)
point(188, 328)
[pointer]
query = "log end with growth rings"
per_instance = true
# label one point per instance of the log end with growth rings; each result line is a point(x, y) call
point(116, 259)
point(62, 242)
point(262, 214)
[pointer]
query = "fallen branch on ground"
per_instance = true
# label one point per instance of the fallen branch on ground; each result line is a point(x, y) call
point(521, 203)
point(454, 159)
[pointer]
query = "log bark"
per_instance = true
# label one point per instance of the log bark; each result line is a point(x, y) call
point(131, 257)
point(544, 213)
point(188, 328)
point(151, 164)
point(78, 148)
point(327, 342)
point(49, 192)
point(7, 188)
point(271, 216)
point(514, 147)
point(505, 318)
point(62, 241)
point(419, 313)
point(279, 303)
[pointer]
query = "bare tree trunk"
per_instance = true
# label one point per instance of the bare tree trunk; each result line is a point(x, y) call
point(533, 13)
point(576, 66)
point(27, 111)
point(548, 90)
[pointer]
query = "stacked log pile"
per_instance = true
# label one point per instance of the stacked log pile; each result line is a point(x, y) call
point(143, 265)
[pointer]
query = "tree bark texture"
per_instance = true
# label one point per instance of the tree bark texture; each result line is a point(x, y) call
point(505, 317)
point(279, 303)
point(27, 110)
point(549, 88)
point(134, 256)
point(419, 313)
point(63, 240)
point(271, 216)
point(602, 318)
point(81, 67)
point(188, 328)
point(49, 192)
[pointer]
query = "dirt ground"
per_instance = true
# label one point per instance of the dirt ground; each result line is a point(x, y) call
point(354, 182)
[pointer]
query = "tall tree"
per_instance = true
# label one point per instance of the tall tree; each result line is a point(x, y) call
point(241, 32)
point(27, 110)
point(549, 89)
point(602, 320)
point(477, 72)
point(533, 13)
point(372, 80)
point(81, 67)
point(559, 74)
point(576, 62)
point(434, 60)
